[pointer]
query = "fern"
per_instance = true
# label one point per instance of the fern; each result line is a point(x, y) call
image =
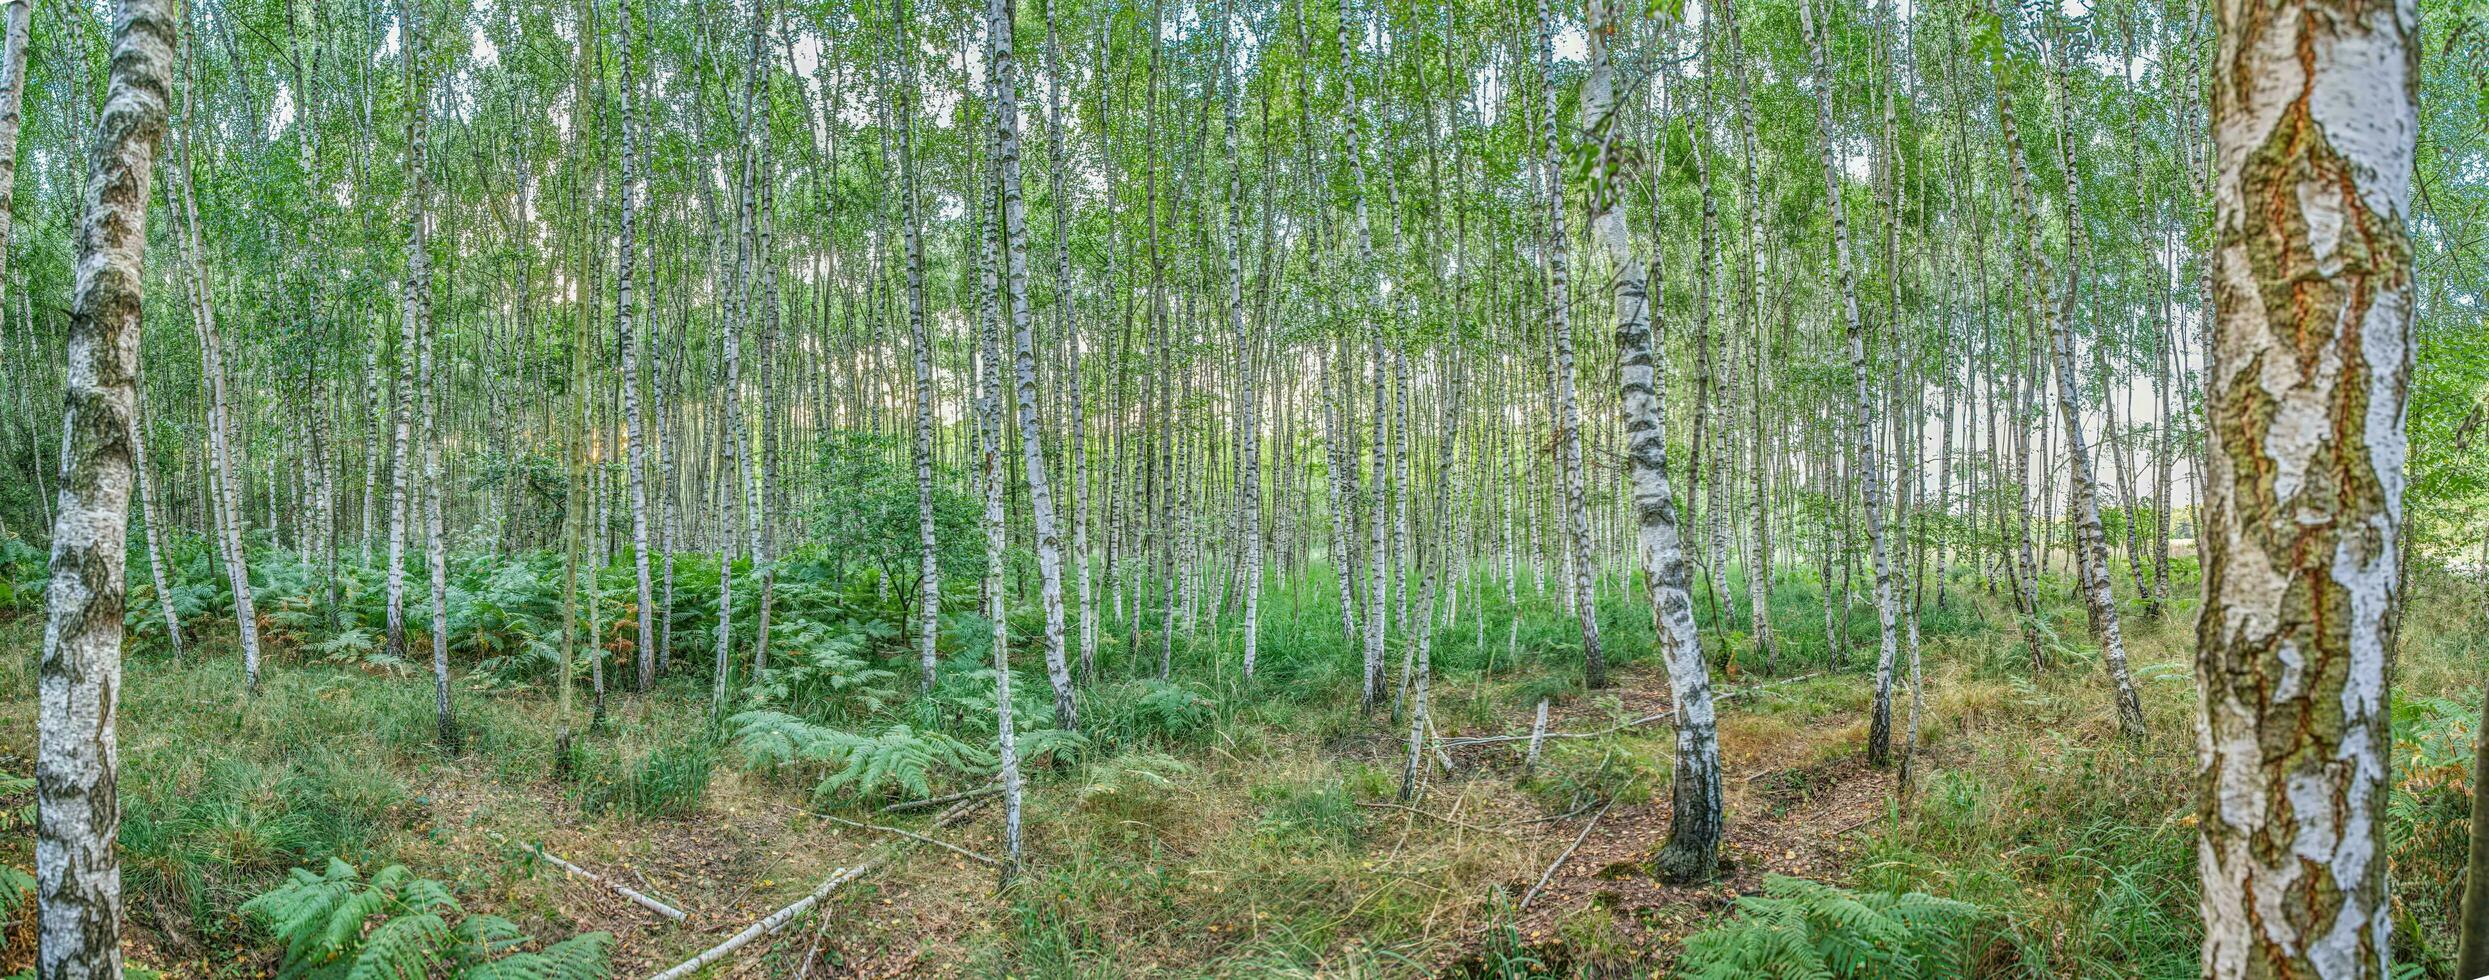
point(1153, 712)
point(1805, 929)
point(581, 957)
point(824, 671)
point(1041, 745)
point(337, 925)
point(899, 758)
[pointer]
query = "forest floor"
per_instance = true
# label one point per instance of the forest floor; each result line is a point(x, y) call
point(1270, 843)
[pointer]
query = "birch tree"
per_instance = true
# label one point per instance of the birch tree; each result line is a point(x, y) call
point(77, 761)
point(1002, 66)
point(2314, 126)
point(1869, 474)
point(1583, 566)
point(1695, 809)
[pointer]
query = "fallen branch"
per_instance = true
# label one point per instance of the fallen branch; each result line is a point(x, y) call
point(641, 899)
point(909, 834)
point(1566, 856)
point(939, 800)
point(1535, 737)
point(1566, 815)
point(1426, 813)
point(777, 920)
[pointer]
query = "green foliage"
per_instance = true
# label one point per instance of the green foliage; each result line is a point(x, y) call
point(895, 760)
point(821, 671)
point(338, 925)
point(1149, 712)
point(2429, 812)
point(1298, 815)
point(668, 782)
point(1804, 929)
point(872, 520)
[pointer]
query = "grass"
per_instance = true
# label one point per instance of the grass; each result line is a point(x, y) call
point(1211, 827)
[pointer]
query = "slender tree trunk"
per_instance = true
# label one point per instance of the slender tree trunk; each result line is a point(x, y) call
point(1695, 808)
point(625, 308)
point(77, 761)
point(221, 451)
point(734, 503)
point(1002, 66)
point(1869, 476)
point(989, 425)
point(419, 330)
point(2314, 119)
point(1248, 406)
point(920, 344)
point(152, 509)
point(2090, 542)
point(1568, 409)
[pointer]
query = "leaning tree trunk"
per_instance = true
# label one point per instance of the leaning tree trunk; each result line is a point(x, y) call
point(151, 507)
point(1568, 408)
point(78, 817)
point(1692, 853)
point(228, 517)
point(1870, 470)
point(1002, 66)
point(2091, 542)
point(2314, 121)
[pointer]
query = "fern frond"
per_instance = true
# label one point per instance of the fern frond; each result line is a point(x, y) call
point(404, 948)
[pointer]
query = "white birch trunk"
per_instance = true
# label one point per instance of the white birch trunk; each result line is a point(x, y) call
point(2314, 124)
point(78, 819)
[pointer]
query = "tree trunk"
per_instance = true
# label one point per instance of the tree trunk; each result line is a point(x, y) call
point(1568, 409)
point(1869, 476)
point(2314, 122)
point(221, 451)
point(1002, 67)
point(626, 307)
point(1695, 807)
point(2090, 542)
point(418, 314)
point(77, 802)
point(152, 509)
point(920, 344)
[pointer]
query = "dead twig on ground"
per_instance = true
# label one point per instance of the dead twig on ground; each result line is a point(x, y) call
point(1536, 737)
point(1436, 816)
point(1566, 856)
point(638, 898)
point(777, 920)
point(909, 834)
point(939, 800)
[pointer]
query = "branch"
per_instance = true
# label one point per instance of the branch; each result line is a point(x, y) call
point(625, 891)
point(909, 834)
point(1457, 743)
point(777, 920)
point(1566, 856)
